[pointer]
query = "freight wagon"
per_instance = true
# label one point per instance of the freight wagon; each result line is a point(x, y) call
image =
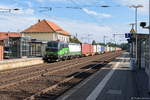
point(103, 49)
point(74, 50)
point(95, 50)
point(111, 49)
point(107, 49)
point(87, 49)
point(118, 49)
point(98, 49)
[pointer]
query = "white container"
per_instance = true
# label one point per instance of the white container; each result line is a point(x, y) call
point(95, 49)
point(99, 49)
point(107, 48)
point(74, 48)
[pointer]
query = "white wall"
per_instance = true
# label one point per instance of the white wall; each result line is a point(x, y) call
point(48, 36)
point(63, 38)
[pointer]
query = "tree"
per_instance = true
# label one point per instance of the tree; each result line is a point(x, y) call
point(94, 42)
point(111, 44)
point(74, 40)
point(124, 46)
point(101, 44)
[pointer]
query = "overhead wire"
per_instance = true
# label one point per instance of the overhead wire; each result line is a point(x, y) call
point(84, 11)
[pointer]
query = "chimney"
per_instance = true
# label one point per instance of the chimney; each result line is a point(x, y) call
point(39, 20)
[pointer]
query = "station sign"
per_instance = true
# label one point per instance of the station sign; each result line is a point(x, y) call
point(128, 35)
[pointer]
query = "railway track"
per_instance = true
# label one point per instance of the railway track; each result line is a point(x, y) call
point(39, 67)
point(51, 75)
point(35, 68)
point(6, 82)
point(28, 72)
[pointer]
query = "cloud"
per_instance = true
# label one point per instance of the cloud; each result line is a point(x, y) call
point(15, 23)
point(40, 0)
point(19, 23)
point(145, 3)
point(52, 0)
point(97, 31)
point(27, 11)
point(100, 15)
point(83, 29)
point(29, 4)
point(73, 1)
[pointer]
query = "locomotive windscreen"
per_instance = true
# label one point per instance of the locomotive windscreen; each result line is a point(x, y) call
point(52, 44)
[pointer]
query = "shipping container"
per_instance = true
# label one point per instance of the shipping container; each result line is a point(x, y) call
point(98, 49)
point(95, 49)
point(107, 48)
point(118, 49)
point(103, 48)
point(87, 49)
point(74, 49)
point(110, 49)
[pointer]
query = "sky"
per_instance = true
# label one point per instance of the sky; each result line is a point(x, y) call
point(85, 19)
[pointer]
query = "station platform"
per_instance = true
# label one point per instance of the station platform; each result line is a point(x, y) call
point(115, 82)
point(17, 63)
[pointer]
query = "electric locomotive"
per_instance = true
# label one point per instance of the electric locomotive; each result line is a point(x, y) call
point(55, 51)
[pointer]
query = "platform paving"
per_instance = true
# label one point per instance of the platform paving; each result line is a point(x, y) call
point(115, 82)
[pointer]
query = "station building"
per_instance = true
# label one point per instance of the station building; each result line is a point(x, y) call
point(46, 31)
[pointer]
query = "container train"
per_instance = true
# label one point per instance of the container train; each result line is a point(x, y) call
point(57, 50)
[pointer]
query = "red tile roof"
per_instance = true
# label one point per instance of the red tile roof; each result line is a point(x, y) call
point(5, 35)
point(45, 26)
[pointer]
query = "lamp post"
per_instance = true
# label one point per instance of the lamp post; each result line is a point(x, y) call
point(136, 12)
point(136, 29)
point(104, 39)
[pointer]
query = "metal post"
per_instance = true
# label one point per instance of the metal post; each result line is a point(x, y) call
point(115, 40)
point(104, 39)
point(149, 48)
point(136, 8)
point(136, 34)
point(136, 19)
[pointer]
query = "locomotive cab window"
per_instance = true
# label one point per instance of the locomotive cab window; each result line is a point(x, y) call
point(52, 44)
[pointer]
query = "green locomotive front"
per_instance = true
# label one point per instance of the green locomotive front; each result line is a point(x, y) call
point(56, 50)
